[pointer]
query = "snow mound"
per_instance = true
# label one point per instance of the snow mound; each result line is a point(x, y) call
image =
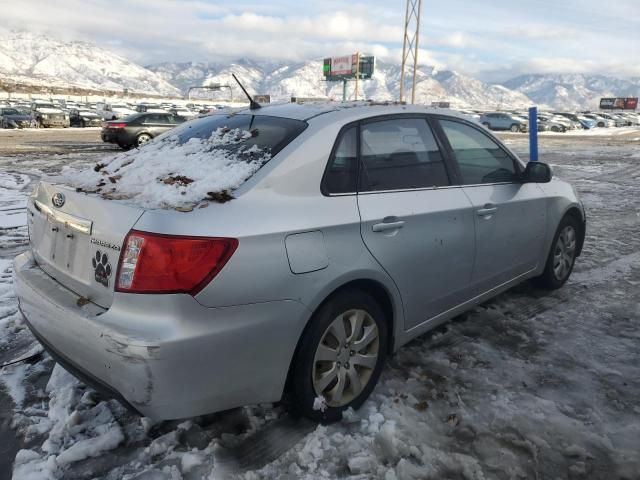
point(168, 173)
point(76, 431)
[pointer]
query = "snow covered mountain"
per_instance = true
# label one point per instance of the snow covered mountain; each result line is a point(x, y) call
point(304, 79)
point(36, 60)
point(32, 59)
point(576, 91)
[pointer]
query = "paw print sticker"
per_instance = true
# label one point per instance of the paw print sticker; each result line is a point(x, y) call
point(101, 268)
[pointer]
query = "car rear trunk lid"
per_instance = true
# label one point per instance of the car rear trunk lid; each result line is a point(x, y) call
point(77, 238)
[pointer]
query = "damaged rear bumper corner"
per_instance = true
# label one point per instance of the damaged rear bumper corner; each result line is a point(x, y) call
point(74, 337)
point(166, 356)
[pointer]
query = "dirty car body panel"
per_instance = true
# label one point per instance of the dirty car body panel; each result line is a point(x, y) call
point(232, 342)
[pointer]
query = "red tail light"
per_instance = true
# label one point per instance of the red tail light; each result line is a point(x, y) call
point(155, 263)
point(116, 125)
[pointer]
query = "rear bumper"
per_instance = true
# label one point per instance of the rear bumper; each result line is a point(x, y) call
point(166, 356)
point(108, 137)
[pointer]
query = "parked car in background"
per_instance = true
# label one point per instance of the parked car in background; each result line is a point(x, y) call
point(108, 111)
point(617, 121)
point(138, 129)
point(11, 117)
point(470, 115)
point(149, 108)
point(503, 121)
point(309, 276)
point(602, 122)
point(183, 112)
point(46, 114)
point(84, 118)
point(552, 123)
point(575, 119)
point(633, 118)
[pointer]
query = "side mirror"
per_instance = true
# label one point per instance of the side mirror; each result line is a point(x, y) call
point(537, 172)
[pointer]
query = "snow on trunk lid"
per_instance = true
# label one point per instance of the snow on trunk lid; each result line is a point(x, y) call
point(77, 238)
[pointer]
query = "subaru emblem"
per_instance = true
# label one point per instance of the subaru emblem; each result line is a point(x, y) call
point(58, 200)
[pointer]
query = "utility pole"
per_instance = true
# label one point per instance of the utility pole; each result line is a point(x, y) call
point(410, 44)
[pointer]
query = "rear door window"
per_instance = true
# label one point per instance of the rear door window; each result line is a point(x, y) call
point(400, 154)
point(341, 175)
point(479, 158)
point(153, 119)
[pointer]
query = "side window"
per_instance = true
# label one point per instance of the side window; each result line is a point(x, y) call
point(342, 172)
point(154, 119)
point(480, 159)
point(400, 154)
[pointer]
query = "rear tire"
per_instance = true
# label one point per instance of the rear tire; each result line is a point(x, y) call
point(487, 125)
point(340, 356)
point(562, 255)
point(142, 139)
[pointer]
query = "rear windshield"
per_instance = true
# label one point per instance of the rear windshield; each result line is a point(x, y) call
point(268, 134)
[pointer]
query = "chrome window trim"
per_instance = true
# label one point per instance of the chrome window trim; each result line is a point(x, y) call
point(421, 189)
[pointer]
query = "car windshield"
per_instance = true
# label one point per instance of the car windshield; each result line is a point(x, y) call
point(10, 111)
point(45, 105)
point(267, 134)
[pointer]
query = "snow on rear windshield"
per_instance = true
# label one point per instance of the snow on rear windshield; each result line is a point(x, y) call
point(205, 159)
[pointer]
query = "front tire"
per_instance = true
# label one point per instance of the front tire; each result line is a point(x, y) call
point(340, 356)
point(562, 256)
point(515, 128)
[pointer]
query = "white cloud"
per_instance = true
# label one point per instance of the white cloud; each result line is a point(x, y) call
point(495, 38)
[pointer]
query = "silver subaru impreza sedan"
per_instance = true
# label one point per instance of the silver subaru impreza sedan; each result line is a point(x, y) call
point(368, 226)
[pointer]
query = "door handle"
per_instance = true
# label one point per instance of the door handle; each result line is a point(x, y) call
point(386, 226)
point(488, 209)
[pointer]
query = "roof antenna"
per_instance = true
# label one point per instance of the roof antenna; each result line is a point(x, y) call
point(253, 105)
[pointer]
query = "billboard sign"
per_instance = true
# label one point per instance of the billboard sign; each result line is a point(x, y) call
point(346, 67)
point(619, 103)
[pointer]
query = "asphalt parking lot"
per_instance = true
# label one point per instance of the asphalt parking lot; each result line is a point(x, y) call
point(531, 385)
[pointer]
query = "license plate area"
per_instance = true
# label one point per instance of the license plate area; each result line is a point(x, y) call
point(61, 237)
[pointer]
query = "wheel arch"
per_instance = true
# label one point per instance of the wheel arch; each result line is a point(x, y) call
point(379, 292)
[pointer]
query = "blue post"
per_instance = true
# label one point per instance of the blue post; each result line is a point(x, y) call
point(533, 134)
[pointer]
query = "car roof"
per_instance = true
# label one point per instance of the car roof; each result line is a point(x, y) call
point(344, 111)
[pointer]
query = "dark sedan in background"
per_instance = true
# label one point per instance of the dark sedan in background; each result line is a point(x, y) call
point(14, 118)
point(84, 118)
point(138, 129)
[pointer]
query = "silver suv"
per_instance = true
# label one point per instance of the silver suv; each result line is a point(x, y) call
point(369, 226)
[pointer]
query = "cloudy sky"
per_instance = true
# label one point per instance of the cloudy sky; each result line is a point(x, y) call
point(492, 39)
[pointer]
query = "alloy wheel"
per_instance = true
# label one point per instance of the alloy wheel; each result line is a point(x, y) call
point(143, 138)
point(346, 357)
point(564, 252)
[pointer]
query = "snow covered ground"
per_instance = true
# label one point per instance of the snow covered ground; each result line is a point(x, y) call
point(531, 385)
